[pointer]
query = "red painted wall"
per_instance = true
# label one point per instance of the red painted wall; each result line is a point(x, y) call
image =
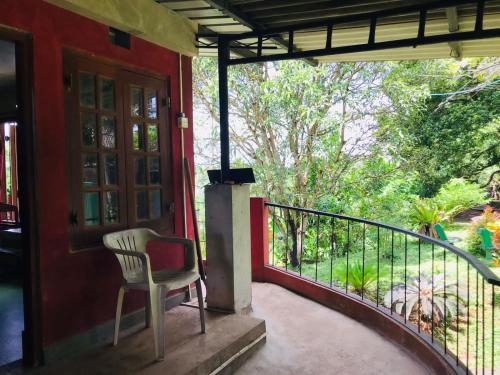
point(259, 232)
point(79, 290)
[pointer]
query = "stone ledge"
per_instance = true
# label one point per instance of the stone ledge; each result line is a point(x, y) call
point(229, 340)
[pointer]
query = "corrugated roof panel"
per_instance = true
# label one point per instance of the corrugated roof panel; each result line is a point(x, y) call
point(201, 13)
point(476, 48)
point(408, 53)
point(175, 5)
point(234, 28)
point(217, 21)
point(237, 15)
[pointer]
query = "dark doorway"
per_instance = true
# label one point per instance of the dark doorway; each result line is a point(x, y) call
point(19, 267)
point(11, 270)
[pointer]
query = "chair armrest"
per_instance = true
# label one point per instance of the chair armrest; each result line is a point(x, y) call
point(189, 248)
point(143, 257)
point(179, 240)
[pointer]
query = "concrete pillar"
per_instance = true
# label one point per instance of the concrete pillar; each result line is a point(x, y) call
point(227, 222)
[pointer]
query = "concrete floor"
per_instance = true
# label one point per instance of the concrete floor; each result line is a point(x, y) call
point(304, 337)
point(11, 321)
point(187, 350)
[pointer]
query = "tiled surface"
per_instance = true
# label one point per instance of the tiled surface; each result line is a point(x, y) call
point(11, 321)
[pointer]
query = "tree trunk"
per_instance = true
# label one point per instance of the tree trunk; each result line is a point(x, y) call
point(295, 231)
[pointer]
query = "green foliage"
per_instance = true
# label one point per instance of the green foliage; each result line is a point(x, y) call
point(453, 197)
point(293, 123)
point(444, 136)
point(358, 281)
point(473, 239)
point(425, 214)
point(458, 195)
point(363, 139)
point(473, 243)
point(433, 298)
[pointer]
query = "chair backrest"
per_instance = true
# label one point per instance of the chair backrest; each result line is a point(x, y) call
point(5, 207)
point(486, 235)
point(131, 240)
point(440, 231)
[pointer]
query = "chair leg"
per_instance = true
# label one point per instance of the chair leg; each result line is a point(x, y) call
point(188, 294)
point(148, 309)
point(153, 299)
point(201, 306)
point(118, 315)
point(160, 337)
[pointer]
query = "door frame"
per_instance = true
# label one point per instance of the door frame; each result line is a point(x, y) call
point(27, 177)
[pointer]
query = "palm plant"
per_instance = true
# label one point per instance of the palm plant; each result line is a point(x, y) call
point(425, 214)
point(431, 298)
point(358, 279)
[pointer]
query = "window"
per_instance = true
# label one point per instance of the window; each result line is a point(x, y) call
point(118, 151)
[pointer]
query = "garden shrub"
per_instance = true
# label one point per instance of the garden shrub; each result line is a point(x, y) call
point(473, 240)
point(458, 195)
point(473, 243)
point(359, 281)
point(425, 214)
point(432, 297)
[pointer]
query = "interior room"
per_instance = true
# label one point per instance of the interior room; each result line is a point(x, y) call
point(11, 293)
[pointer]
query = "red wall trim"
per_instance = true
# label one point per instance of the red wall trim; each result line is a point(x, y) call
point(79, 290)
point(259, 237)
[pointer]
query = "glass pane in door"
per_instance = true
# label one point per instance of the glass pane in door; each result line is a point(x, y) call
point(136, 103)
point(111, 208)
point(141, 203)
point(91, 208)
point(107, 91)
point(87, 90)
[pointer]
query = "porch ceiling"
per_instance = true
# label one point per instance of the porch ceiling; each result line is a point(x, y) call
point(238, 16)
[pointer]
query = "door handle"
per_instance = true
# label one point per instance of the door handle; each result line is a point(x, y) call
point(73, 218)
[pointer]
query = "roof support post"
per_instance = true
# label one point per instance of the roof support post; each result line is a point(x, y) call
point(223, 58)
point(453, 27)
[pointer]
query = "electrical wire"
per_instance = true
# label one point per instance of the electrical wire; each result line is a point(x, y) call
point(467, 91)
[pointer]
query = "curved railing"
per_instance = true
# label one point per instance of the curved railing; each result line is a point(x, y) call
point(445, 295)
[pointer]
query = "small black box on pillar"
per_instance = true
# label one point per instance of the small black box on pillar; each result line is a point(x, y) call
point(236, 176)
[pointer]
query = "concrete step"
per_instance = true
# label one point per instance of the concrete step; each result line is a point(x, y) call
point(228, 341)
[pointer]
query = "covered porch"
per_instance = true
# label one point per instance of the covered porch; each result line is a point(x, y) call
point(303, 337)
point(318, 330)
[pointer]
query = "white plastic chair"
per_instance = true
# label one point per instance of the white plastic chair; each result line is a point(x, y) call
point(129, 246)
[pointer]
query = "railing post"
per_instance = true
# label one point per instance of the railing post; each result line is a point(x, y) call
point(259, 230)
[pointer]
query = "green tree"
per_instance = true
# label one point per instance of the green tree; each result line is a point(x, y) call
point(301, 128)
point(445, 119)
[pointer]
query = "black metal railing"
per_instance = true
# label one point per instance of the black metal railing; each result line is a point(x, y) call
point(443, 294)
